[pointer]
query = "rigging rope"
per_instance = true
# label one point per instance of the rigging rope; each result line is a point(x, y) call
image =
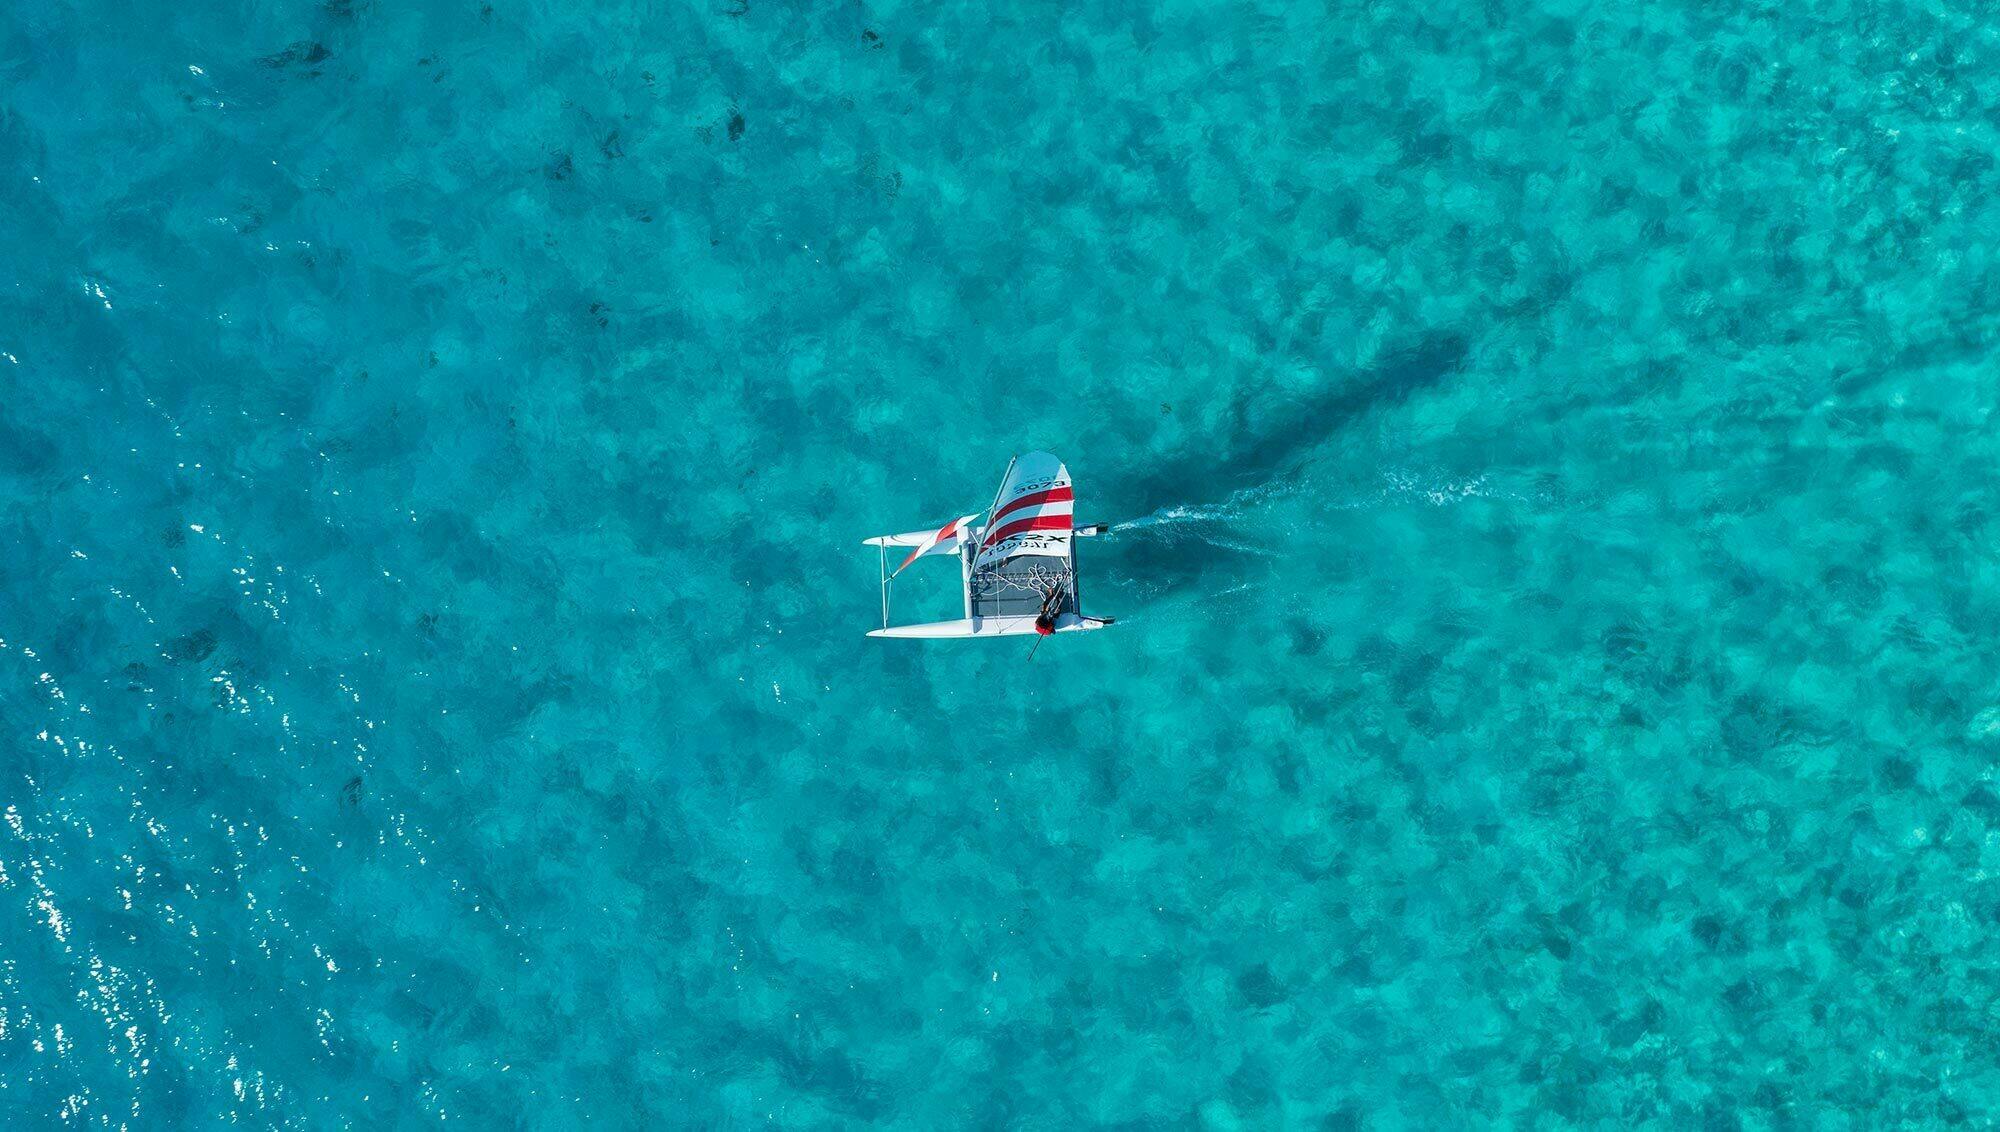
point(1036, 579)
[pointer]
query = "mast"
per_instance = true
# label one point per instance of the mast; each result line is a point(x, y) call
point(1005, 477)
point(967, 548)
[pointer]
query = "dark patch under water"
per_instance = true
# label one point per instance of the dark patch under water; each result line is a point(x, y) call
point(1268, 442)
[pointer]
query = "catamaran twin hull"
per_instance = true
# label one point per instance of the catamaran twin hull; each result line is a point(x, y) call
point(1018, 563)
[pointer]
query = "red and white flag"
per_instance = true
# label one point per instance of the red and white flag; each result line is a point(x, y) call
point(944, 537)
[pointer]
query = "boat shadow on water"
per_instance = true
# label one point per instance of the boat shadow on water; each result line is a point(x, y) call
point(1268, 444)
point(1199, 555)
point(1187, 540)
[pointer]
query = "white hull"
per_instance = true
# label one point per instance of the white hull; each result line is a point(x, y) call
point(986, 627)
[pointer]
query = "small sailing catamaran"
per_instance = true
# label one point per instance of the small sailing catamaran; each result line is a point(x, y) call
point(1016, 567)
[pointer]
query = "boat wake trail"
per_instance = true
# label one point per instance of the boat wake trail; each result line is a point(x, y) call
point(1191, 536)
point(1230, 546)
point(1192, 548)
point(1210, 513)
point(1204, 523)
point(1199, 515)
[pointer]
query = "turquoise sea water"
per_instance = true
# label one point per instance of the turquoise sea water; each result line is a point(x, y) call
point(1554, 680)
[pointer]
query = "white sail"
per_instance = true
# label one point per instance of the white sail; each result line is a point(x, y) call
point(1034, 513)
point(943, 539)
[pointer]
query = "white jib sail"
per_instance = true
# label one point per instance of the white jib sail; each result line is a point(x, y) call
point(944, 538)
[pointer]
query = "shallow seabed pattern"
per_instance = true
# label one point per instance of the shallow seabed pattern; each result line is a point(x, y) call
point(1552, 446)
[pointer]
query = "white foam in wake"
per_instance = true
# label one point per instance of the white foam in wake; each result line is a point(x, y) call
point(1227, 510)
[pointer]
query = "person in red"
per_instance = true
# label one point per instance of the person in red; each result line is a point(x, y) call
point(1045, 621)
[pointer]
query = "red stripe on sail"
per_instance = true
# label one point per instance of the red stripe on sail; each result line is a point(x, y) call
point(1061, 494)
point(1038, 523)
point(927, 544)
